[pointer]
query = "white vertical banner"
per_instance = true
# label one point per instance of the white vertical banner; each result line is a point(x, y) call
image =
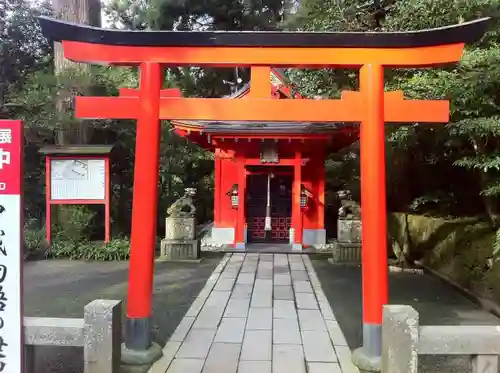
point(11, 247)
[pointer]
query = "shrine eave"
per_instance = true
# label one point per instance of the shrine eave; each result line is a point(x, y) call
point(253, 128)
point(466, 32)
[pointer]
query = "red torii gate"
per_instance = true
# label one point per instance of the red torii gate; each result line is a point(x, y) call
point(371, 52)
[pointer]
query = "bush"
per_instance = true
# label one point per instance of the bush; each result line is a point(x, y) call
point(35, 243)
point(71, 238)
point(116, 249)
point(74, 224)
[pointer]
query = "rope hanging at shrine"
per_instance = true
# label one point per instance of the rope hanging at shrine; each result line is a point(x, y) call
point(267, 224)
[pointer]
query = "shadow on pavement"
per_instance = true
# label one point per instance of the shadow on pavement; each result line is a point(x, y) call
point(436, 302)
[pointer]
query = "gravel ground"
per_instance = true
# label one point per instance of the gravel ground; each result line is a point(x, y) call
point(62, 288)
point(436, 302)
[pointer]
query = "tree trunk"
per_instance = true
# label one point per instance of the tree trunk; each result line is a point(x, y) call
point(70, 131)
point(78, 11)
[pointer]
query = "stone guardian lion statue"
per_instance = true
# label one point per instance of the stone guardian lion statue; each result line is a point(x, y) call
point(183, 207)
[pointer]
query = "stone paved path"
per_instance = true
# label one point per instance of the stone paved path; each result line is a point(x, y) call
point(258, 313)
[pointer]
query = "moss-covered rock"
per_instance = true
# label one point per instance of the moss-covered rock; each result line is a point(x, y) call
point(460, 249)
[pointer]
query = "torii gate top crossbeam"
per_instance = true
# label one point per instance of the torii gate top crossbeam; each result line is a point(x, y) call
point(226, 48)
point(467, 32)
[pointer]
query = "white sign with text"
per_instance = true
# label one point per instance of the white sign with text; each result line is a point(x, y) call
point(10, 283)
point(77, 179)
point(11, 248)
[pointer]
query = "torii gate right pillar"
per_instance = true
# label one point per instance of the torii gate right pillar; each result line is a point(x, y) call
point(373, 213)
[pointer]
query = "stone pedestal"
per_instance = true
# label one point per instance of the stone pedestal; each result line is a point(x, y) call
point(179, 250)
point(349, 231)
point(179, 228)
point(348, 245)
point(179, 242)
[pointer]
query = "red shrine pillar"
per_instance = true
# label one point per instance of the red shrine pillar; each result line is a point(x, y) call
point(144, 216)
point(373, 209)
point(240, 222)
point(321, 190)
point(296, 210)
point(218, 192)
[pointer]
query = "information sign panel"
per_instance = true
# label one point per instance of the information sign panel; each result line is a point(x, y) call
point(77, 179)
point(11, 256)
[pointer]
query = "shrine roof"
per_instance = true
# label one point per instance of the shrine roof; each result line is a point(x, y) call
point(76, 149)
point(466, 32)
point(243, 127)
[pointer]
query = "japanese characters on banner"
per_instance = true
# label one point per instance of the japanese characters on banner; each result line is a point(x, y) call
point(11, 257)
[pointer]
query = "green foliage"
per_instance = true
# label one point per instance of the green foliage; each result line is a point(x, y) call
point(116, 249)
point(71, 241)
point(22, 48)
point(35, 243)
point(74, 224)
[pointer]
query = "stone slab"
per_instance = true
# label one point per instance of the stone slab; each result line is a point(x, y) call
point(297, 266)
point(209, 318)
point(169, 352)
point(311, 320)
point(318, 347)
point(286, 331)
point(336, 334)
point(245, 278)
point(265, 266)
point(302, 287)
point(231, 330)
point(323, 368)
point(242, 291)
point(230, 273)
point(217, 299)
point(345, 359)
point(237, 307)
point(260, 319)
point(182, 329)
point(265, 273)
point(224, 284)
point(257, 345)
point(299, 275)
point(282, 279)
point(196, 345)
point(266, 257)
point(263, 285)
point(284, 309)
point(254, 367)
point(196, 307)
point(326, 310)
point(280, 260)
point(222, 358)
point(306, 301)
point(186, 366)
point(248, 267)
point(288, 358)
point(262, 299)
point(283, 293)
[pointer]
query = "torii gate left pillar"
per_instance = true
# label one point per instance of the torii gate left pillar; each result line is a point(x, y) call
point(371, 52)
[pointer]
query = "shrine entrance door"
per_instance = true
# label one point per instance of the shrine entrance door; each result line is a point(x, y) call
point(269, 195)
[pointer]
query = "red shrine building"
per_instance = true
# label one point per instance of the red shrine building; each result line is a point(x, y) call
point(269, 176)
